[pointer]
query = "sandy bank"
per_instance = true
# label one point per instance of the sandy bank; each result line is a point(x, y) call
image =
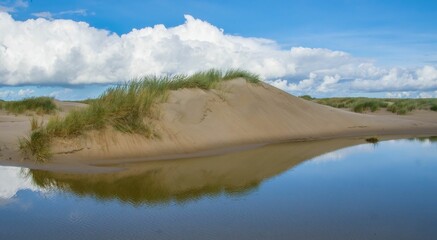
point(236, 114)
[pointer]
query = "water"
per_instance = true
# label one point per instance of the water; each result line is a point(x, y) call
point(285, 191)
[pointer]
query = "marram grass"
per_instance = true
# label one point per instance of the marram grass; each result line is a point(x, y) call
point(39, 105)
point(37, 145)
point(394, 105)
point(128, 108)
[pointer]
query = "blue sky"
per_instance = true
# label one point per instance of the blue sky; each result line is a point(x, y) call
point(395, 40)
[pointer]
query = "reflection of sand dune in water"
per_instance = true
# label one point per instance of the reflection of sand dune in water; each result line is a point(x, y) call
point(187, 179)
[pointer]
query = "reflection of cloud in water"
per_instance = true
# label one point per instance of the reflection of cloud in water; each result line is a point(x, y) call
point(12, 180)
point(424, 142)
point(427, 142)
point(343, 153)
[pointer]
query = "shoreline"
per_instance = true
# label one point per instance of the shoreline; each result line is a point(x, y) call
point(118, 165)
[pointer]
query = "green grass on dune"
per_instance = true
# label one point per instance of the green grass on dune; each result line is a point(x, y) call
point(355, 104)
point(237, 73)
point(307, 97)
point(39, 105)
point(128, 108)
point(37, 145)
point(403, 106)
point(359, 104)
point(124, 107)
point(369, 105)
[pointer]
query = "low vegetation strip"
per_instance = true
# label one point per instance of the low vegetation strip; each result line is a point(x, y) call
point(398, 106)
point(39, 105)
point(128, 108)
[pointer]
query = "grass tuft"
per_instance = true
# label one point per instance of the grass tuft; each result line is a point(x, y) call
point(307, 97)
point(236, 73)
point(37, 145)
point(368, 105)
point(35, 124)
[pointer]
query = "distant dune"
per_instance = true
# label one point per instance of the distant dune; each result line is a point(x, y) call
point(236, 114)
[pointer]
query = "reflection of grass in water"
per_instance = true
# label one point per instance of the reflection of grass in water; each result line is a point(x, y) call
point(373, 140)
point(425, 139)
point(137, 189)
point(128, 108)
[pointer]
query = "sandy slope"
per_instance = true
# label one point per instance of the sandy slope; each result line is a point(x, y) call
point(237, 114)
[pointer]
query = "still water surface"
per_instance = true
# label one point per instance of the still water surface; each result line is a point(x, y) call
point(285, 191)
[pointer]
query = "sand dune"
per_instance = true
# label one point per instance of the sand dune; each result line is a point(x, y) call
point(236, 114)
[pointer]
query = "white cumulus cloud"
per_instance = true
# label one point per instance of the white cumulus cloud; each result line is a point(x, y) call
point(46, 51)
point(25, 92)
point(428, 94)
point(398, 79)
point(60, 93)
point(41, 51)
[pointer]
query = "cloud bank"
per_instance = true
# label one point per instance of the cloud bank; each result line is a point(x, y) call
point(65, 52)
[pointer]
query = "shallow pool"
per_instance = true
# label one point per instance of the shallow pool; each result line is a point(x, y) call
point(319, 190)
